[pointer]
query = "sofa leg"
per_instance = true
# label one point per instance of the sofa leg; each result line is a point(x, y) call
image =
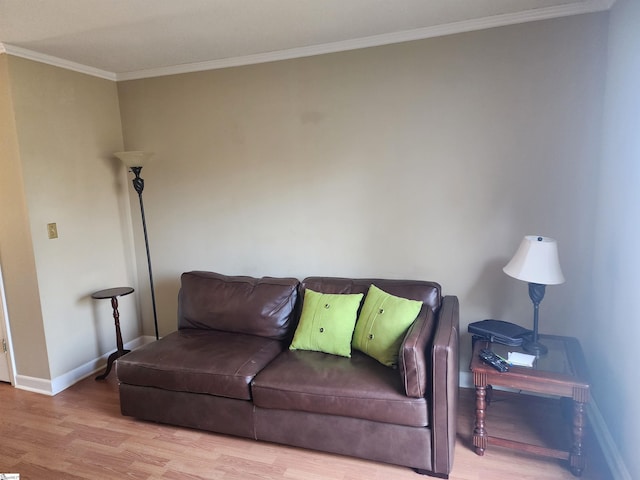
point(421, 471)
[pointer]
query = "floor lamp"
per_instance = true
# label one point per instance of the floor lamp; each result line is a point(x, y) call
point(135, 160)
point(536, 262)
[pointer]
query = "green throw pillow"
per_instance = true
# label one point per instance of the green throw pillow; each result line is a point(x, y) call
point(382, 324)
point(326, 323)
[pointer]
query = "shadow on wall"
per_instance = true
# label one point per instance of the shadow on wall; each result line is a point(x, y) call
point(491, 290)
point(166, 290)
point(124, 210)
point(488, 297)
point(98, 319)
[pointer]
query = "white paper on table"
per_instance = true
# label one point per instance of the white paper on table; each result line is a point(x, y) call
point(521, 359)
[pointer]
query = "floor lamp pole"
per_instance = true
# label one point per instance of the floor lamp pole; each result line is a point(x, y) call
point(138, 185)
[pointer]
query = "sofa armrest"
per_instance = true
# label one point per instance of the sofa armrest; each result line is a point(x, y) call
point(444, 384)
point(413, 362)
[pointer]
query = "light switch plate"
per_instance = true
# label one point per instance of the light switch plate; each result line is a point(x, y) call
point(52, 230)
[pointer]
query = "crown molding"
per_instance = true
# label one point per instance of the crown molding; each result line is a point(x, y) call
point(56, 61)
point(575, 8)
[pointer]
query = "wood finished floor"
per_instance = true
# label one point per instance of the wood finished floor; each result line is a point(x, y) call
point(80, 434)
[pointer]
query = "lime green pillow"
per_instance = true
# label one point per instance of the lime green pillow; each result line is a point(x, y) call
point(382, 324)
point(326, 323)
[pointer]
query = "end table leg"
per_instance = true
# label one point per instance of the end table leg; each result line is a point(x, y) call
point(110, 361)
point(576, 459)
point(479, 432)
point(116, 320)
point(112, 358)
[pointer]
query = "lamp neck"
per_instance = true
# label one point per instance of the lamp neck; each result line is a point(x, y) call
point(138, 183)
point(536, 293)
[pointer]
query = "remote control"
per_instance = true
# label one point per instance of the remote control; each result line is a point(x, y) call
point(494, 360)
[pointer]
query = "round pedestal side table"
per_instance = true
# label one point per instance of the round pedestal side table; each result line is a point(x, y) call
point(113, 294)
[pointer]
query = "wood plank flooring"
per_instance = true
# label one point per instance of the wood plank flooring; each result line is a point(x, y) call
point(80, 434)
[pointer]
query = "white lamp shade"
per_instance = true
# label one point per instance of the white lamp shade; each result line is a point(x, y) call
point(134, 158)
point(536, 261)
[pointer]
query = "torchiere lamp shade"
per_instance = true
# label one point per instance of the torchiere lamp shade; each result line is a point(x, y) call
point(134, 158)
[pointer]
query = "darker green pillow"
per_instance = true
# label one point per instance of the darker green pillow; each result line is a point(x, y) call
point(382, 324)
point(327, 322)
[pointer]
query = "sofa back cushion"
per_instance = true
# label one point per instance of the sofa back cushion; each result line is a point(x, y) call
point(255, 306)
point(426, 292)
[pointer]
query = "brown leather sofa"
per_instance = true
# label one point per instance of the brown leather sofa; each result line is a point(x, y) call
point(228, 369)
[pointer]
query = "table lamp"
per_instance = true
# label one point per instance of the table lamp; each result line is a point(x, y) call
point(536, 261)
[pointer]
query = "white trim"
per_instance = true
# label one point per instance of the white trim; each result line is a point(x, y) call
point(56, 61)
point(33, 384)
point(64, 381)
point(603, 436)
point(575, 8)
point(609, 448)
point(466, 380)
point(4, 313)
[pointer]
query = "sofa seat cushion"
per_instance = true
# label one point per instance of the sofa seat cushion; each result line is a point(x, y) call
point(200, 361)
point(357, 387)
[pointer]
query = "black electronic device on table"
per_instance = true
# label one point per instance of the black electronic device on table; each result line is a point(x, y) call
point(494, 360)
point(499, 331)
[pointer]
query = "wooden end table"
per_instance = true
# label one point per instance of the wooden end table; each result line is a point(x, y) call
point(113, 294)
point(561, 372)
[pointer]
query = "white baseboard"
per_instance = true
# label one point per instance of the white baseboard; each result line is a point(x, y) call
point(33, 384)
point(466, 380)
point(609, 448)
point(64, 381)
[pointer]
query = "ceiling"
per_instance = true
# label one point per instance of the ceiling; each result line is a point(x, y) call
point(125, 39)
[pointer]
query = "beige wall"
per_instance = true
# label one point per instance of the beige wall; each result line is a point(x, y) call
point(68, 125)
point(611, 313)
point(427, 159)
point(16, 252)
